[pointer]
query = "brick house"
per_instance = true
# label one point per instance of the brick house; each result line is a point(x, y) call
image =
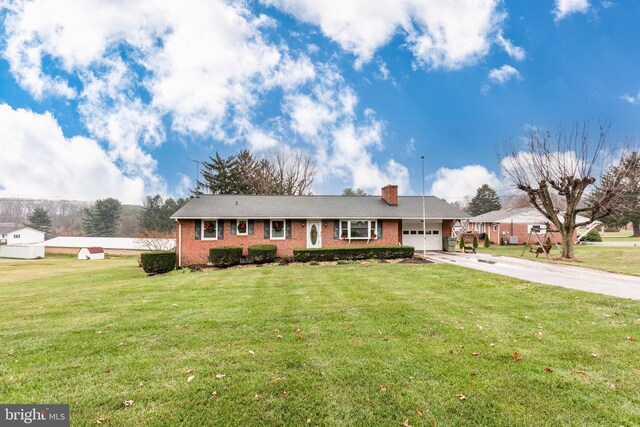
point(514, 225)
point(291, 222)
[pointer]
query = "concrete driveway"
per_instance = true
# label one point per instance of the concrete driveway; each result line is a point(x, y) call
point(567, 276)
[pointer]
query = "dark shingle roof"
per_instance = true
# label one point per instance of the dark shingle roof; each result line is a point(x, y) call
point(7, 230)
point(247, 206)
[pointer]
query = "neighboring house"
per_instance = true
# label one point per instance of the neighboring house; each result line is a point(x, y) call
point(91, 253)
point(514, 225)
point(291, 222)
point(20, 236)
point(111, 245)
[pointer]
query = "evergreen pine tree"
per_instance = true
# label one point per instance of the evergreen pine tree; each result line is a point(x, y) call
point(485, 200)
point(475, 242)
point(102, 219)
point(487, 242)
point(39, 219)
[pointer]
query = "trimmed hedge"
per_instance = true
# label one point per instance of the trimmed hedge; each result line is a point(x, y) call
point(592, 236)
point(225, 256)
point(262, 253)
point(356, 252)
point(158, 262)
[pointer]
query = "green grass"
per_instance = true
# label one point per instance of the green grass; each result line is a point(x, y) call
point(619, 236)
point(94, 334)
point(623, 260)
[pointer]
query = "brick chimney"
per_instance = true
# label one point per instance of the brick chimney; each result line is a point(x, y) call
point(390, 194)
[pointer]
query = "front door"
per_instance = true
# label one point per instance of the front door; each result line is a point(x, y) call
point(314, 234)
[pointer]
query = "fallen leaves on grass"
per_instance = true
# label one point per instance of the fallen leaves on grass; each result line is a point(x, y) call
point(406, 424)
point(462, 397)
point(383, 388)
point(286, 393)
point(141, 384)
point(10, 352)
point(516, 357)
point(191, 377)
point(630, 338)
point(100, 420)
point(220, 376)
point(188, 370)
point(419, 411)
point(475, 354)
point(549, 370)
point(308, 420)
point(127, 403)
point(251, 352)
point(214, 393)
point(582, 373)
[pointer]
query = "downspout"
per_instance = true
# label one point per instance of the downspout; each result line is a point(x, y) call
point(179, 243)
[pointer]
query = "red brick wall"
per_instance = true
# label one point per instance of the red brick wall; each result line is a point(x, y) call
point(197, 251)
point(447, 224)
point(519, 229)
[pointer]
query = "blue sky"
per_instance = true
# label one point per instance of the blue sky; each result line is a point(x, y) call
point(108, 98)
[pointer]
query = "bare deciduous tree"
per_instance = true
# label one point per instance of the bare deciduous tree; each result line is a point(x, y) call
point(558, 171)
point(294, 172)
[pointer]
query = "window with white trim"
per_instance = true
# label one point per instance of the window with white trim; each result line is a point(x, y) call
point(16, 236)
point(358, 229)
point(278, 229)
point(242, 227)
point(209, 229)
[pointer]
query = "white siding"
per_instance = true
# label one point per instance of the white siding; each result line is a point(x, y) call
point(22, 251)
point(25, 236)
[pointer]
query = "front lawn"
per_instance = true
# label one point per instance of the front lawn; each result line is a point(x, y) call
point(621, 259)
point(619, 236)
point(372, 344)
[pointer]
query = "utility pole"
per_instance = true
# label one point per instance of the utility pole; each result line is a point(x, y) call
point(424, 217)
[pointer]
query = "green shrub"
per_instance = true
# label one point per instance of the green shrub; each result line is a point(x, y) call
point(461, 242)
point(158, 262)
point(262, 253)
point(225, 256)
point(592, 236)
point(351, 253)
point(475, 242)
point(502, 241)
point(548, 241)
point(487, 242)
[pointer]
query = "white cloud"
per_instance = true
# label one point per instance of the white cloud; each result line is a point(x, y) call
point(440, 34)
point(504, 74)
point(459, 185)
point(204, 66)
point(40, 161)
point(261, 141)
point(344, 144)
point(516, 52)
point(633, 100)
point(563, 8)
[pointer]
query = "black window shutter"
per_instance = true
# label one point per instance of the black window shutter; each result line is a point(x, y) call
point(287, 224)
point(221, 229)
point(198, 225)
point(336, 229)
point(234, 227)
point(379, 232)
point(250, 227)
point(266, 228)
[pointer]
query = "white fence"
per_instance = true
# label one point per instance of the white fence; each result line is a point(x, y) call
point(22, 251)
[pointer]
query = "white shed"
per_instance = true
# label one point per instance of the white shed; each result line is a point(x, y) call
point(20, 236)
point(91, 253)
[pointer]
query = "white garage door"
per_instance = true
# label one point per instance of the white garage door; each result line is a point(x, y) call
point(412, 235)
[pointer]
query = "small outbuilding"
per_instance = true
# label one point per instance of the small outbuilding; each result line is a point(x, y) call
point(91, 253)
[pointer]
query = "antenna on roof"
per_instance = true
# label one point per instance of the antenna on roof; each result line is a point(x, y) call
point(197, 162)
